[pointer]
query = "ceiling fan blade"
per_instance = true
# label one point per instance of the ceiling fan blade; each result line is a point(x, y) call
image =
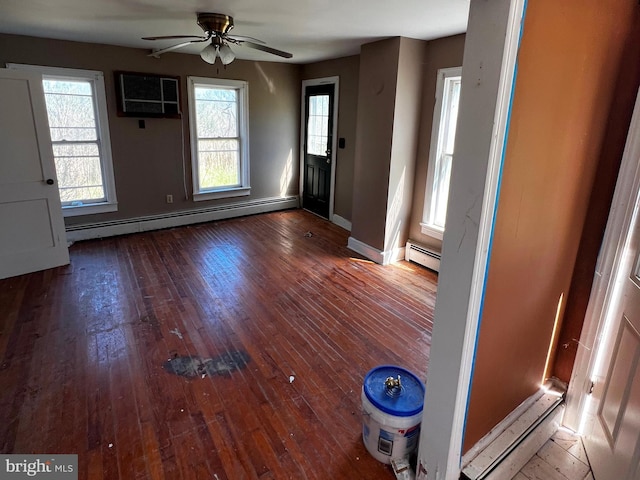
point(175, 37)
point(242, 38)
point(157, 53)
point(267, 49)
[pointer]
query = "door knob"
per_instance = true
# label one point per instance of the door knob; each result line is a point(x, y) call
point(50, 181)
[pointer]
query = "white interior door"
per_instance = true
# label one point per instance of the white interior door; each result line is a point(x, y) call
point(612, 430)
point(32, 234)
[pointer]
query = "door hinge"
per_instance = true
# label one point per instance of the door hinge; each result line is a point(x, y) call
point(591, 387)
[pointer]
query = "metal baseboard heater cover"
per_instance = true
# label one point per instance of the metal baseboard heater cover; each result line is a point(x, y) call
point(518, 439)
point(422, 255)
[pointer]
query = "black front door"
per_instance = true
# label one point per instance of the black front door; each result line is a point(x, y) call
point(317, 148)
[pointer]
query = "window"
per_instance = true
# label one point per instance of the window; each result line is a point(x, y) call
point(77, 114)
point(443, 134)
point(220, 156)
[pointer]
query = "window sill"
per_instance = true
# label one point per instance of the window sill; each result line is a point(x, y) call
point(232, 192)
point(431, 230)
point(88, 209)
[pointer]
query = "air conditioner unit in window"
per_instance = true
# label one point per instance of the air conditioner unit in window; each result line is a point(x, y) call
point(147, 95)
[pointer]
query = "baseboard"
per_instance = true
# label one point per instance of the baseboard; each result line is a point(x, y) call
point(499, 429)
point(178, 219)
point(509, 446)
point(375, 255)
point(393, 256)
point(341, 222)
point(365, 250)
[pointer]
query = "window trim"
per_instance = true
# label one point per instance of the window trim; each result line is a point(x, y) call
point(427, 226)
point(102, 126)
point(242, 87)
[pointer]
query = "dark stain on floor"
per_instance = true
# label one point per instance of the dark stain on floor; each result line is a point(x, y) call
point(192, 367)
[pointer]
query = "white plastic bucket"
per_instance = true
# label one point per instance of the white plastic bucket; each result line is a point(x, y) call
point(391, 421)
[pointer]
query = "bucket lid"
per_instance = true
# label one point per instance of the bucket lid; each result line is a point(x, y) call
point(404, 401)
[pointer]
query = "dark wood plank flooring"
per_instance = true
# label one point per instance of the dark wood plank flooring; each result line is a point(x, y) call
point(87, 351)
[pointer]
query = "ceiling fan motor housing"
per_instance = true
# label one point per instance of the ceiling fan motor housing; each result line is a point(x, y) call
point(215, 23)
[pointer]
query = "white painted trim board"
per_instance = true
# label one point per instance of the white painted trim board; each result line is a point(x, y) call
point(375, 255)
point(488, 72)
point(341, 222)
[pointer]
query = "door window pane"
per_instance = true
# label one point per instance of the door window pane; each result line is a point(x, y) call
point(318, 125)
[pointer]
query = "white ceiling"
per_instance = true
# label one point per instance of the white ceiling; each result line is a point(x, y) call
point(311, 30)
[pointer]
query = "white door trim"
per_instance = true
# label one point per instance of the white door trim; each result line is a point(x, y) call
point(488, 73)
point(595, 328)
point(334, 139)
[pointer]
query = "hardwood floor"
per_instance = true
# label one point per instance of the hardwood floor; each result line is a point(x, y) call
point(227, 350)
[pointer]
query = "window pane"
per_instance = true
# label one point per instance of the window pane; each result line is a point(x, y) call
point(216, 112)
point(70, 87)
point(444, 132)
point(318, 125)
point(218, 130)
point(216, 93)
point(71, 116)
point(218, 163)
point(451, 120)
point(441, 190)
point(216, 119)
point(79, 172)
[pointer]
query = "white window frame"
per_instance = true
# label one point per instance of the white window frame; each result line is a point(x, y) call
point(242, 87)
point(437, 134)
point(96, 78)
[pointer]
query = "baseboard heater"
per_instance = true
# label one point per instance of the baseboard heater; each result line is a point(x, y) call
point(421, 255)
point(178, 219)
point(505, 450)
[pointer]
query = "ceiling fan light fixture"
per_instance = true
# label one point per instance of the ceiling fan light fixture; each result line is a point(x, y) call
point(216, 29)
point(209, 53)
point(226, 54)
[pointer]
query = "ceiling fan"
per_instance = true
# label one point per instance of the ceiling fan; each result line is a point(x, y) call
point(216, 27)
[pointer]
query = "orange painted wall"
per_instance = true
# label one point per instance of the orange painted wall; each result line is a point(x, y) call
point(599, 204)
point(568, 66)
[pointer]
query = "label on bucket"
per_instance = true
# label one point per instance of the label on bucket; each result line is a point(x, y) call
point(410, 432)
point(404, 441)
point(385, 442)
